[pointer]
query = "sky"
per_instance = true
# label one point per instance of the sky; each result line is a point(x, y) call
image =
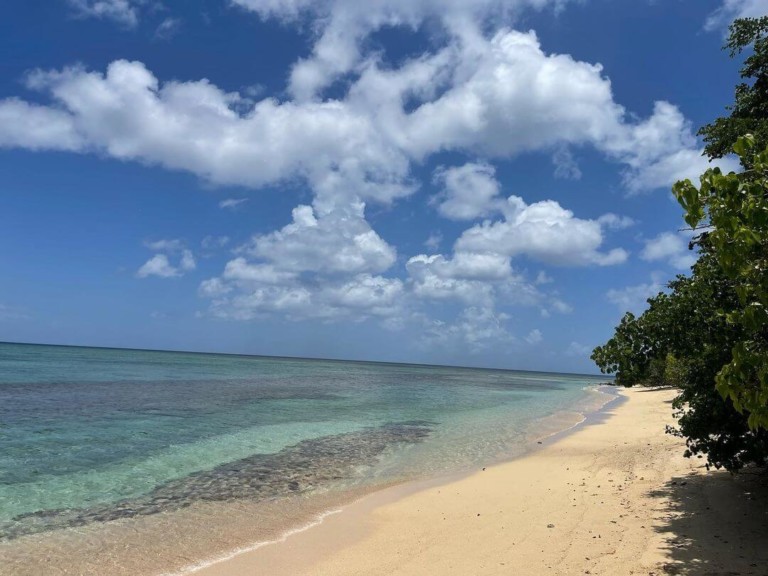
point(464, 182)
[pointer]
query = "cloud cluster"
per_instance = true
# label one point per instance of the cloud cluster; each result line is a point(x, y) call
point(543, 231)
point(335, 241)
point(343, 25)
point(482, 90)
point(160, 264)
point(493, 96)
point(123, 12)
point(732, 9)
point(669, 247)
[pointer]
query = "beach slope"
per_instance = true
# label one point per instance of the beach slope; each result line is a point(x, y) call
point(614, 497)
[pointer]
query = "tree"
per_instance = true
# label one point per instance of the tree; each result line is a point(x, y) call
point(708, 335)
point(749, 113)
point(734, 209)
point(684, 339)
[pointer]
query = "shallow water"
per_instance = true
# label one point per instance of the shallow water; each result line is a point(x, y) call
point(91, 437)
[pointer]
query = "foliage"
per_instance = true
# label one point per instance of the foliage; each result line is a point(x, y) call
point(735, 207)
point(708, 335)
point(749, 113)
point(683, 339)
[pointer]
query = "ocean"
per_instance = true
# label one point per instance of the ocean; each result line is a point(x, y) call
point(96, 444)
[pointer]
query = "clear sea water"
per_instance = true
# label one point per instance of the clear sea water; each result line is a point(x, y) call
point(91, 435)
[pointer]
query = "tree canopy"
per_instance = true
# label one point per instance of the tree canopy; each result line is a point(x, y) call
point(749, 112)
point(708, 335)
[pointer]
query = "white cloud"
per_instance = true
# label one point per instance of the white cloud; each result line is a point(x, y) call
point(165, 245)
point(232, 203)
point(368, 294)
point(633, 298)
point(470, 277)
point(167, 29)
point(187, 261)
point(615, 222)
point(544, 231)
point(534, 337)
point(732, 9)
point(468, 191)
point(124, 12)
point(490, 96)
point(672, 248)
point(543, 278)
point(336, 241)
point(481, 90)
point(24, 125)
point(160, 264)
point(566, 166)
point(476, 329)
point(222, 137)
point(434, 241)
point(251, 291)
point(240, 270)
point(324, 264)
point(344, 24)
point(213, 242)
point(214, 288)
point(578, 350)
point(561, 307)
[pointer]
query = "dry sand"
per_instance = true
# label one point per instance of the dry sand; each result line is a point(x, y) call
point(615, 497)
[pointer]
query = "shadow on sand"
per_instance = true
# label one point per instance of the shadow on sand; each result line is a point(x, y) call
point(714, 524)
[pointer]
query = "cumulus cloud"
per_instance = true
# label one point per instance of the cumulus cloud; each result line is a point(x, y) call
point(470, 277)
point(615, 222)
point(344, 24)
point(669, 247)
point(251, 291)
point(544, 231)
point(123, 12)
point(160, 264)
point(732, 9)
point(481, 91)
point(534, 336)
point(492, 96)
point(468, 191)
point(336, 241)
point(324, 264)
point(476, 329)
point(24, 125)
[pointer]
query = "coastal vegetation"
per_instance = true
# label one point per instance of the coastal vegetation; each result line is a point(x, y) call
point(707, 335)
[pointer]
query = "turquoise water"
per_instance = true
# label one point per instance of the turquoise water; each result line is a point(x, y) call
point(91, 435)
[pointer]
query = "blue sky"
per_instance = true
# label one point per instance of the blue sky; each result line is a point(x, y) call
point(475, 182)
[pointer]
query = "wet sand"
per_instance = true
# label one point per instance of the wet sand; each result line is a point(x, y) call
point(615, 497)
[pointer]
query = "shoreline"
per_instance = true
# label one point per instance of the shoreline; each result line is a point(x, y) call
point(591, 415)
point(191, 539)
point(603, 489)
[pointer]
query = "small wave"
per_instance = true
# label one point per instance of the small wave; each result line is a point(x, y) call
point(197, 566)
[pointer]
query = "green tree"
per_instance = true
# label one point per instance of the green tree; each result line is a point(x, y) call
point(734, 210)
point(686, 330)
point(708, 335)
point(749, 113)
